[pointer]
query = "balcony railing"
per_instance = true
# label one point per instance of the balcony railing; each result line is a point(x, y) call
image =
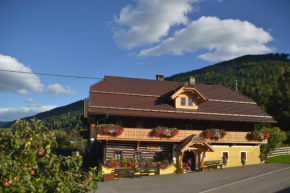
point(138, 134)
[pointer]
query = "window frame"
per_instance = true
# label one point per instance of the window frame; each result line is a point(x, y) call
point(191, 102)
point(137, 152)
point(184, 101)
point(115, 152)
point(241, 155)
point(227, 153)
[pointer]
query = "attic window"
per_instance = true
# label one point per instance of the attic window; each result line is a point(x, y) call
point(183, 101)
point(189, 101)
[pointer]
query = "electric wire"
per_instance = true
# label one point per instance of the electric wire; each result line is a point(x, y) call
point(46, 74)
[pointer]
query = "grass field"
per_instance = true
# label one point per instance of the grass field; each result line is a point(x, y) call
point(279, 159)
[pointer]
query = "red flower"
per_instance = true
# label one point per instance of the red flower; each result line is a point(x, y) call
point(267, 135)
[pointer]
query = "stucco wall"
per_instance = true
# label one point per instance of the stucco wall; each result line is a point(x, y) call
point(253, 153)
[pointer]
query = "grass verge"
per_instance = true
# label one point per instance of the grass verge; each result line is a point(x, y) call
point(279, 159)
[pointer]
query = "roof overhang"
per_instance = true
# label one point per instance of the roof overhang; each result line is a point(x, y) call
point(193, 140)
point(200, 96)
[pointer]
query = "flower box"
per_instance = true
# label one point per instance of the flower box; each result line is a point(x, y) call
point(110, 129)
point(258, 135)
point(164, 132)
point(214, 133)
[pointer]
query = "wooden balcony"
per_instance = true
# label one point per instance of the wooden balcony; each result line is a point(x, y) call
point(136, 134)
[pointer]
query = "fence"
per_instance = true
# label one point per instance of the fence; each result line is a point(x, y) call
point(280, 151)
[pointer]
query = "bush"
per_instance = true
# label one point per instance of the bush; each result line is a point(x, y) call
point(27, 164)
point(276, 139)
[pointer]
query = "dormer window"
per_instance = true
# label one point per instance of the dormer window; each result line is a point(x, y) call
point(183, 101)
point(188, 98)
point(189, 101)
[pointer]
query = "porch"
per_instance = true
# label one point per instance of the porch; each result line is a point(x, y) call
point(144, 134)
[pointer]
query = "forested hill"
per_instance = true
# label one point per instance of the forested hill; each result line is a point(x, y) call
point(257, 75)
point(66, 117)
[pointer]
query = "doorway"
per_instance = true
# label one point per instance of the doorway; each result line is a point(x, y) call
point(189, 157)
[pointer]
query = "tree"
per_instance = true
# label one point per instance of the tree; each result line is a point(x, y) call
point(279, 105)
point(276, 139)
point(27, 164)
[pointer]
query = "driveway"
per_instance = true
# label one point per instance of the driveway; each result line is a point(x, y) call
point(264, 178)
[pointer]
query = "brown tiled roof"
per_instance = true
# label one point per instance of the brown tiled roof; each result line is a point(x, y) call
point(141, 97)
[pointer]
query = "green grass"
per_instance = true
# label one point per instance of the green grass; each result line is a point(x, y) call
point(279, 159)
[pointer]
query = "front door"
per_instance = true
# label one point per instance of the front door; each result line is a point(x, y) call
point(189, 157)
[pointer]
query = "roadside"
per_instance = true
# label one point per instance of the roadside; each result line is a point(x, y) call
point(279, 159)
point(255, 178)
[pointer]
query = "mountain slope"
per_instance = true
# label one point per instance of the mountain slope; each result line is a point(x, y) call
point(257, 75)
point(66, 117)
point(2, 123)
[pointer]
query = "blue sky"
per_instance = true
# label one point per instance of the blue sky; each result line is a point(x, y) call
point(138, 38)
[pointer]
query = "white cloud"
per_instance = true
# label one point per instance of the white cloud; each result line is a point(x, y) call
point(149, 21)
point(57, 89)
point(32, 108)
point(16, 82)
point(221, 39)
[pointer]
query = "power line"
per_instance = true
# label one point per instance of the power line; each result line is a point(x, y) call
point(45, 74)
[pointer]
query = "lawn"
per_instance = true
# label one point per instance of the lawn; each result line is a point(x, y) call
point(279, 159)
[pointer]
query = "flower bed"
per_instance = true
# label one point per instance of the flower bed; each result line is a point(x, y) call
point(214, 133)
point(110, 129)
point(133, 163)
point(164, 132)
point(258, 135)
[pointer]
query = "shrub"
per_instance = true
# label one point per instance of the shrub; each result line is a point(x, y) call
point(27, 164)
point(275, 140)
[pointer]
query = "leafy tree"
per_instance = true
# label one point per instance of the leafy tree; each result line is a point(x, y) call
point(276, 139)
point(279, 105)
point(27, 164)
point(69, 141)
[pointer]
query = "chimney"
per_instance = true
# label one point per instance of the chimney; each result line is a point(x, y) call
point(192, 80)
point(160, 77)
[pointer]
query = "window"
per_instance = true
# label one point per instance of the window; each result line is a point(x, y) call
point(188, 126)
point(243, 154)
point(183, 101)
point(225, 154)
point(138, 155)
point(119, 122)
point(140, 124)
point(189, 101)
point(118, 154)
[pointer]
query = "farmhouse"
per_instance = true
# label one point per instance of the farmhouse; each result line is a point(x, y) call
point(184, 122)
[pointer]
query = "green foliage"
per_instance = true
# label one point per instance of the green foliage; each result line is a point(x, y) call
point(279, 105)
point(243, 161)
point(179, 170)
point(69, 141)
point(276, 139)
point(279, 159)
point(287, 141)
point(27, 164)
point(259, 78)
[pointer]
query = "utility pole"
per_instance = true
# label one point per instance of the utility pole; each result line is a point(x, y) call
point(236, 85)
